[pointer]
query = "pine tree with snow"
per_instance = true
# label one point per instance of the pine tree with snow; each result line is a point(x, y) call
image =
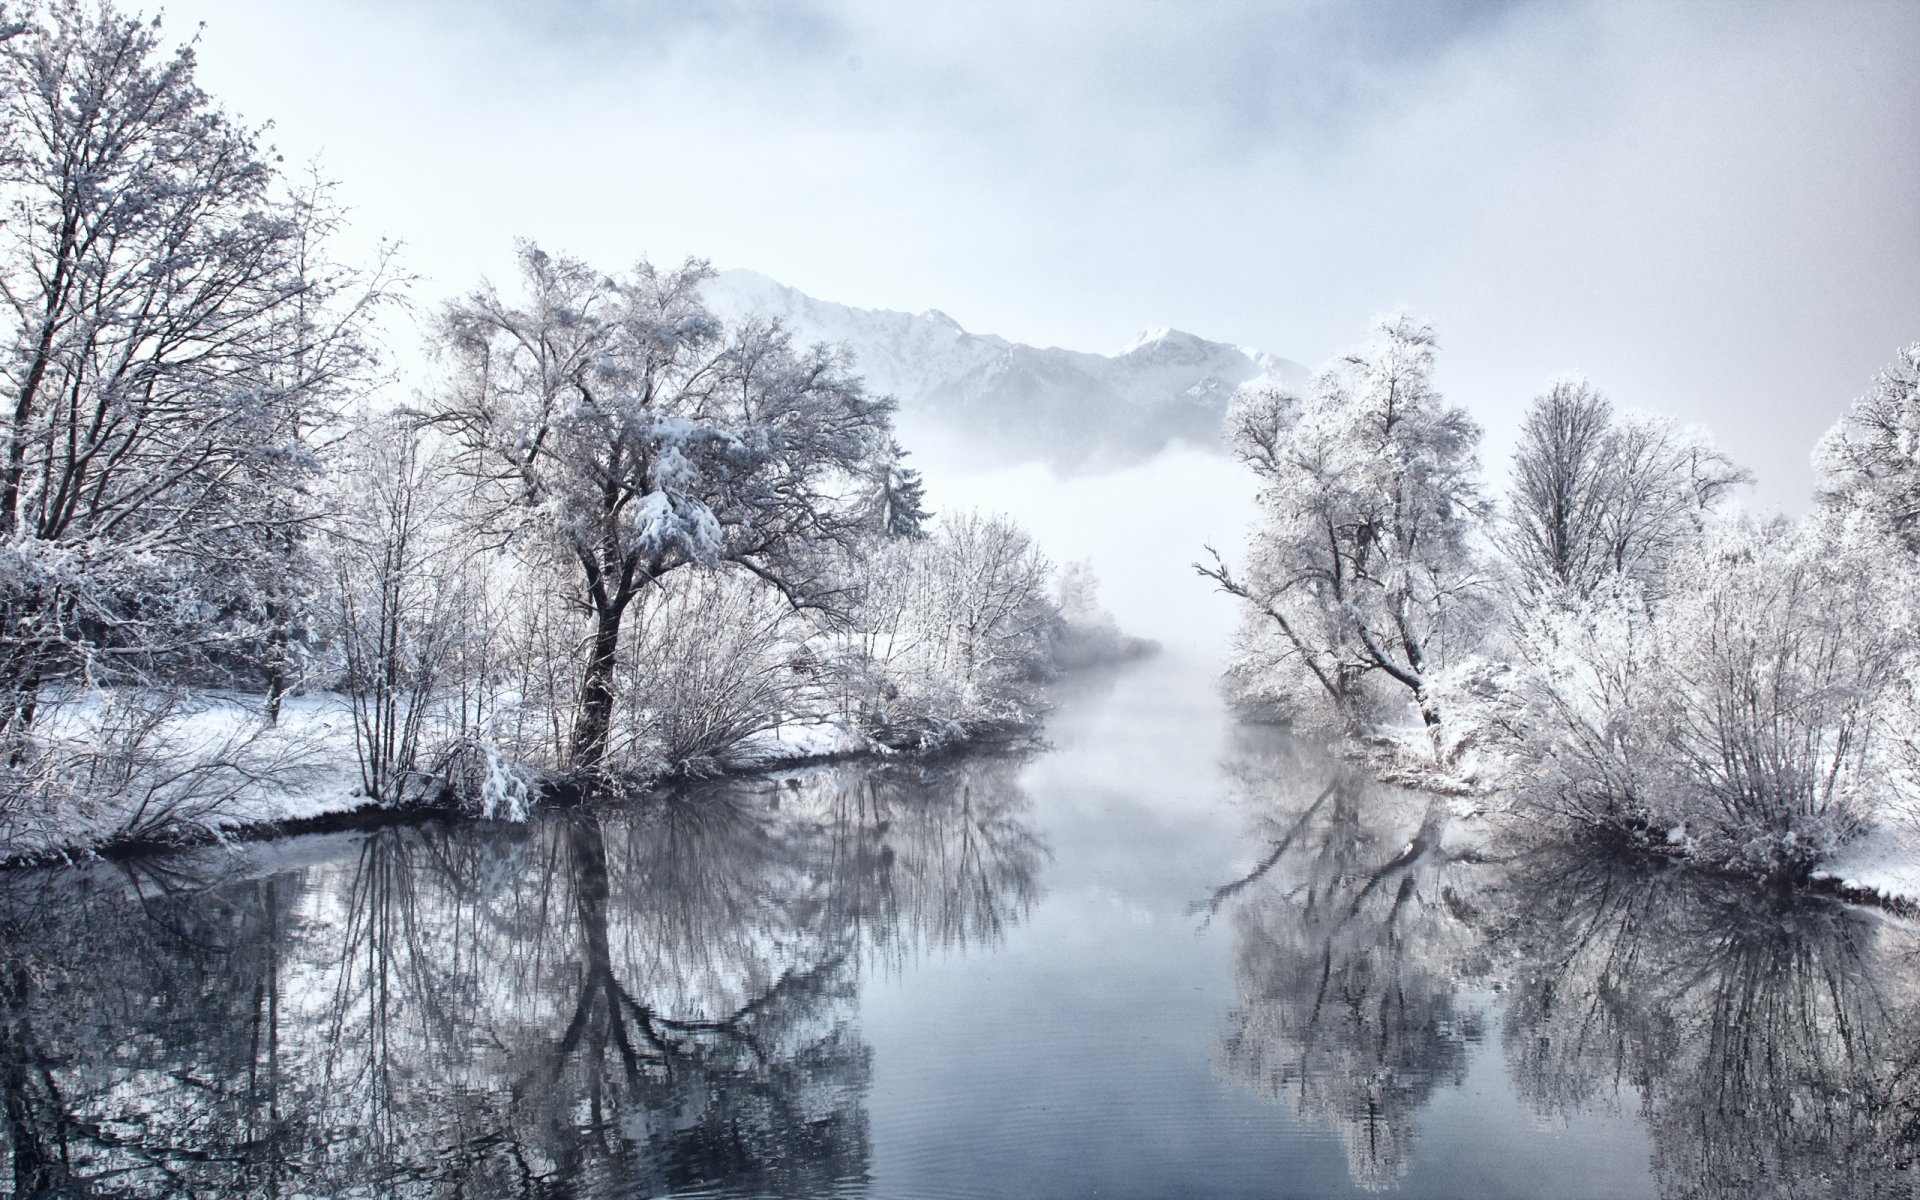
point(900, 498)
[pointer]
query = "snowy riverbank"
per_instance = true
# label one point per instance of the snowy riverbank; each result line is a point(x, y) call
point(230, 777)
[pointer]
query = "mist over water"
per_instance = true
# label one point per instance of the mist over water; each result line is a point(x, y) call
point(1163, 956)
point(1141, 525)
point(703, 821)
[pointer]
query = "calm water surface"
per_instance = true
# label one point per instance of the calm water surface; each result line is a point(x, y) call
point(1163, 957)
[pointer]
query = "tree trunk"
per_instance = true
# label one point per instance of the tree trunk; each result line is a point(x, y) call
point(1347, 698)
point(1429, 709)
point(278, 678)
point(1430, 715)
point(595, 718)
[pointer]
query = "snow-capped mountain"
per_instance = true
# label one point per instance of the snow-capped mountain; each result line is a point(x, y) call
point(1016, 401)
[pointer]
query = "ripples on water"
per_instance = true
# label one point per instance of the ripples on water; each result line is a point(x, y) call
point(1163, 957)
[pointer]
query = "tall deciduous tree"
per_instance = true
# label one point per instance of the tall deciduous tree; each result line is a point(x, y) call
point(1361, 566)
point(167, 337)
point(1597, 498)
point(620, 423)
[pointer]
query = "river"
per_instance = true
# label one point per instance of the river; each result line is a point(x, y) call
point(1161, 956)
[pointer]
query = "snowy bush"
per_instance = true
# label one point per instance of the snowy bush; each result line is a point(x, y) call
point(1584, 721)
point(483, 780)
point(144, 765)
point(1746, 720)
point(948, 634)
point(1786, 649)
point(712, 659)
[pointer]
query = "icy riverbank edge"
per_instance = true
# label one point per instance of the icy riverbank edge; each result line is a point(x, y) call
point(1878, 869)
point(317, 789)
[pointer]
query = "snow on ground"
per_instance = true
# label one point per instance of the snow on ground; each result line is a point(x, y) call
point(315, 739)
point(209, 768)
point(223, 773)
point(803, 739)
point(1885, 863)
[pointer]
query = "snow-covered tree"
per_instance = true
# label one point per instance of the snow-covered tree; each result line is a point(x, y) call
point(949, 632)
point(174, 340)
point(1560, 487)
point(1362, 566)
point(319, 347)
point(899, 497)
point(992, 598)
point(401, 605)
point(618, 422)
point(1596, 498)
point(1870, 462)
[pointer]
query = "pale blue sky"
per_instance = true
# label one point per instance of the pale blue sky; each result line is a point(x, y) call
point(1712, 209)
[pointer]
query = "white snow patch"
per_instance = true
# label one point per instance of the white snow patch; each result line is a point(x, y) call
point(800, 740)
point(1885, 861)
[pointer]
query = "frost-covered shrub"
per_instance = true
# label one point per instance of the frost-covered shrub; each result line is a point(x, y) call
point(1584, 725)
point(949, 634)
point(1745, 720)
point(1785, 649)
point(142, 764)
point(712, 659)
point(483, 780)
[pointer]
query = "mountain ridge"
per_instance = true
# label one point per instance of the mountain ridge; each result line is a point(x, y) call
point(1011, 401)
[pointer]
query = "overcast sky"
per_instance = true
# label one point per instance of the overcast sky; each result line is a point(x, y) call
point(1710, 209)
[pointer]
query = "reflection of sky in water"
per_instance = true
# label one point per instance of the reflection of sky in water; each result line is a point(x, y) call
point(992, 977)
point(1082, 1058)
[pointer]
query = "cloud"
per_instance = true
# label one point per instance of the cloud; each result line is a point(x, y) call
point(1706, 207)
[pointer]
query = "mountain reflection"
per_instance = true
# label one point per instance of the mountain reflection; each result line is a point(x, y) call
point(639, 999)
point(1768, 1043)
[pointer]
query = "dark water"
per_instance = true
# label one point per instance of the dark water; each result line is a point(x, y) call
point(1163, 958)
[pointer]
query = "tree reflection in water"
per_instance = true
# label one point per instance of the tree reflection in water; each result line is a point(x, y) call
point(650, 997)
point(1351, 932)
point(1768, 1039)
point(1768, 1042)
